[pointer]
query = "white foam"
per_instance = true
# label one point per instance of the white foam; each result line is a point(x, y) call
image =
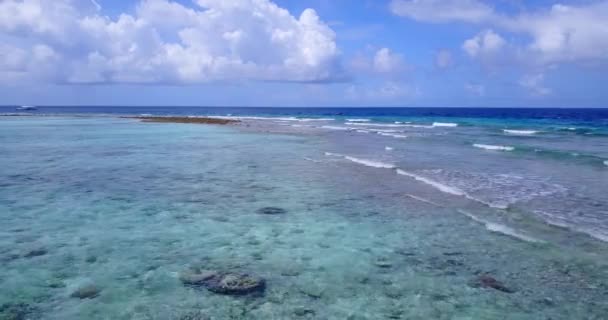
point(388, 148)
point(492, 147)
point(400, 136)
point(314, 119)
point(448, 189)
point(562, 223)
point(599, 236)
point(365, 162)
point(358, 120)
point(312, 160)
point(606, 162)
point(331, 154)
point(445, 124)
point(502, 229)
point(435, 184)
point(397, 124)
point(423, 200)
point(272, 118)
point(336, 128)
point(520, 132)
point(418, 126)
point(363, 131)
point(370, 163)
point(254, 118)
point(388, 125)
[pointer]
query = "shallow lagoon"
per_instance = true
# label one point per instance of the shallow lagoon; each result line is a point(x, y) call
point(127, 206)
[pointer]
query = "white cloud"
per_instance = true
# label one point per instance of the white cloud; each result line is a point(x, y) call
point(485, 43)
point(534, 84)
point(166, 42)
point(386, 61)
point(379, 63)
point(566, 33)
point(442, 10)
point(560, 33)
point(443, 59)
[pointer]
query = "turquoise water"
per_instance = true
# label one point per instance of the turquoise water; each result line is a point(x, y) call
point(128, 206)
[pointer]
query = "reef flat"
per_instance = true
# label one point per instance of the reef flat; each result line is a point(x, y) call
point(199, 120)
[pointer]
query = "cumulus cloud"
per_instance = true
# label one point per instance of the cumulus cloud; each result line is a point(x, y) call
point(386, 61)
point(485, 43)
point(566, 33)
point(559, 33)
point(379, 63)
point(166, 42)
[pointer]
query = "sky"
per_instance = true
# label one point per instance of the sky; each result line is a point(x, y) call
point(407, 53)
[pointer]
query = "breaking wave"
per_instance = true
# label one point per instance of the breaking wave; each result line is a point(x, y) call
point(520, 132)
point(502, 229)
point(423, 200)
point(493, 147)
point(365, 162)
point(445, 124)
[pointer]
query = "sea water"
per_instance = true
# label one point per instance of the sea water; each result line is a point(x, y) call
point(376, 226)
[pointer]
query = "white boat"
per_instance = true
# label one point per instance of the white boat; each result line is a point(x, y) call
point(26, 108)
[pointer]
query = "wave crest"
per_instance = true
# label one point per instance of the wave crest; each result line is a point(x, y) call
point(520, 132)
point(493, 147)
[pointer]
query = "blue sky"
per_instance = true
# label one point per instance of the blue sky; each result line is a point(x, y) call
point(448, 53)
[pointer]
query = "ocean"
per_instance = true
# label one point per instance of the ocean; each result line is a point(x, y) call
point(380, 213)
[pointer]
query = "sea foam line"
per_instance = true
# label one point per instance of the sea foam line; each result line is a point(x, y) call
point(358, 120)
point(365, 162)
point(493, 147)
point(555, 221)
point(520, 132)
point(394, 135)
point(423, 200)
point(370, 163)
point(272, 118)
point(445, 124)
point(437, 185)
point(502, 229)
point(377, 125)
point(448, 189)
point(336, 128)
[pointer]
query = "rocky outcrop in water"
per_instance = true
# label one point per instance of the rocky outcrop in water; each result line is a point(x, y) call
point(194, 315)
point(88, 291)
point(486, 281)
point(15, 311)
point(198, 120)
point(36, 252)
point(228, 283)
point(271, 210)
